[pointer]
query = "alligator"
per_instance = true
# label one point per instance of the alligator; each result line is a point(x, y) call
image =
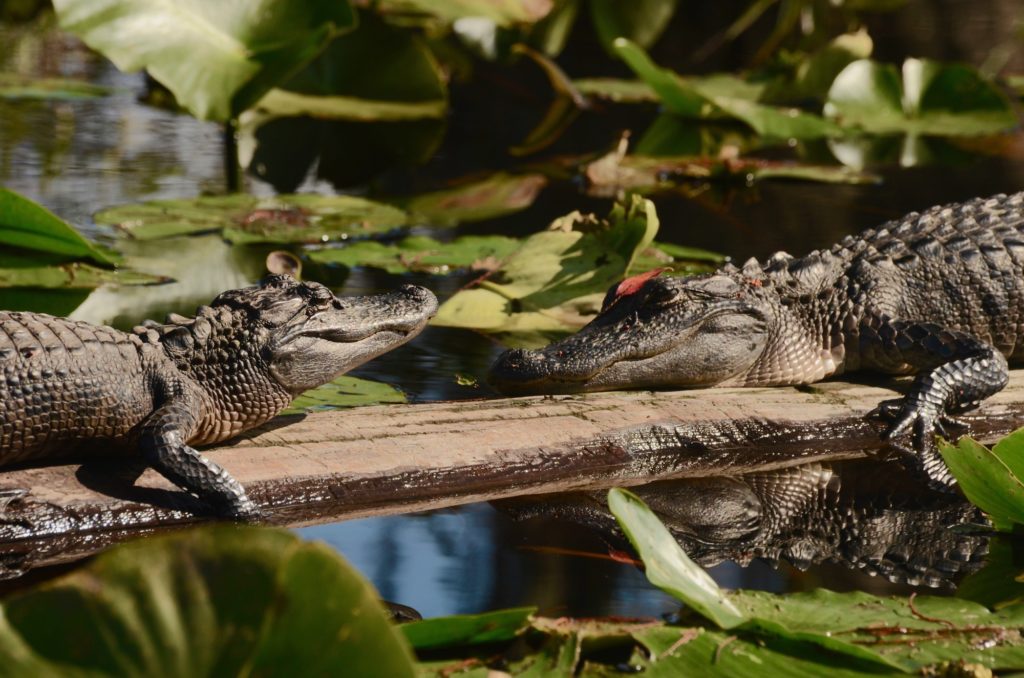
point(853, 513)
point(71, 387)
point(938, 293)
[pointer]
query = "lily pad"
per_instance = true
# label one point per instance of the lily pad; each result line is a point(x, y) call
point(557, 278)
point(345, 391)
point(224, 600)
point(929, 98)
point(246, 219)
point(14, 86)
point(501, 12)
point(422, 254)
point(722, 97)
point(495, 196)
point(28, 225)
point(469, 629)
point(73, 275)
point(216, 58)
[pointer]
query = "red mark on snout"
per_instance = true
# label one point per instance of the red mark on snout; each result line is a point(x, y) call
point(633, 284)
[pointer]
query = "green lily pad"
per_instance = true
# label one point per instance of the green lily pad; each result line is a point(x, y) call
point(345, 392)
point(497, 195)
point(929, 98)
point(557, 278)
point(28, 225)
point(987, 479)
point(223, 600)
point(246, 218)
point(14, 86)
point(73, 275)
point(722, 96)
point(422, 254)
point(217, 59)
point(470, 629)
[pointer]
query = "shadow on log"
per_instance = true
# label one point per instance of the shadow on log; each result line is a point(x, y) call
point(329, 466)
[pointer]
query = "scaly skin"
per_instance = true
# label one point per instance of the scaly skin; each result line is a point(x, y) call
point(939, 294)
point(68, 386)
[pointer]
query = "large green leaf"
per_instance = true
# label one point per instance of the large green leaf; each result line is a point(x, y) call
point(422, 254)
point(14, 86)
point(376, 72)
point(246, 218)
point(222, 600)
point(556, 279)
point(722, 96)
point(31, 226)
point(987, 480)
point(218, 58)
point(73, 275)
point(345, 391)
point(929, 98)
point(470, 629)
point(501, 12)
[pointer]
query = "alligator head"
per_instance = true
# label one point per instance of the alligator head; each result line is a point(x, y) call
point(299, 334)
point(651, 331)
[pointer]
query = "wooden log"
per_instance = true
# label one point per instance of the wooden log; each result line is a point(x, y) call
point(329, 466)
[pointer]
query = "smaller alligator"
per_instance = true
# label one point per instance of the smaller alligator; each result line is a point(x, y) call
point(939, 294)
point(68, 386)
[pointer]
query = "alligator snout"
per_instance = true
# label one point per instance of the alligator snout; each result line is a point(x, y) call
point(518, 371)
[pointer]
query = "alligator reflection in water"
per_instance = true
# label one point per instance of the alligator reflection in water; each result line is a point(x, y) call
point(866, 514)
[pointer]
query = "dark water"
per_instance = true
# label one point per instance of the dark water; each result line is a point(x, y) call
point(76, 157)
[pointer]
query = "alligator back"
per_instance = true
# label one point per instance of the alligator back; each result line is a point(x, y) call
point(62, 382)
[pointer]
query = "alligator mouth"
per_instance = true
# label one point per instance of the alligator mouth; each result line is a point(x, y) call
point(394, 317)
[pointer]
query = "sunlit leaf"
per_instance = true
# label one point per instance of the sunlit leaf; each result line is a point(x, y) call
point(224, 600)
point(929, 98)
point(31, 226)
point(246, 218)
point(495, 196)
point(987, 481)
point(217, 58)
point(422, 254)
point(666, 564)
point(345, 391)
point(73, 275)
point(556, 279)
point(501, 12)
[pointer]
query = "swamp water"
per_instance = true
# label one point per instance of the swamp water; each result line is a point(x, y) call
point(76, 156)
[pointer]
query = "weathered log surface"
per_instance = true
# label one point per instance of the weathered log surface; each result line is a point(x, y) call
point(375, 460)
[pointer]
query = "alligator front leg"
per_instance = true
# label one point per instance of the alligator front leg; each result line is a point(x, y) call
point(162, 442)
point(956, 372)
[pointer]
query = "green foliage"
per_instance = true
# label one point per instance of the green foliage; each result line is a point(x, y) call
point(223, 600)
point(931, 98)
point(497, 195)
point(470, 629)
point(14, 86)
point(556, 278)
point(28, 225)
point(217, 58)
point(345, 391)
point(992, 479)
point(246, 219)
point(640, 21)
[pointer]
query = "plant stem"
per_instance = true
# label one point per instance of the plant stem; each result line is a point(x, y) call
point(232, 171)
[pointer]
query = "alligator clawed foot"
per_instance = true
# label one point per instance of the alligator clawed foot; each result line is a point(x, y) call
point(922, 421)
point(242, 510)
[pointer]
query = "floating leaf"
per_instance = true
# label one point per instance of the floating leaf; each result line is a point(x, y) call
point(282, 103)
point(501, 12)
point(463, 630)
point(345, 392)
point(930, 98)
point(245, 218)
point(73, 275)
point(31, 226)
point(422, 254)
point(986, 478)
point(224, 600)
point(556, 279)
point(496, 196)
point(217, 58)
point(14, 86)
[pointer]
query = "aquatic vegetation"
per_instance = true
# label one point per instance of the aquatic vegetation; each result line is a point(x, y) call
point(992, 478)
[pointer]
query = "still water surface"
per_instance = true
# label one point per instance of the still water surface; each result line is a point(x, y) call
point(76, 157)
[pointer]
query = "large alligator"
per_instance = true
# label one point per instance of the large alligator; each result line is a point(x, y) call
point(939, 294)
point(865, 514)
point(69, 386)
